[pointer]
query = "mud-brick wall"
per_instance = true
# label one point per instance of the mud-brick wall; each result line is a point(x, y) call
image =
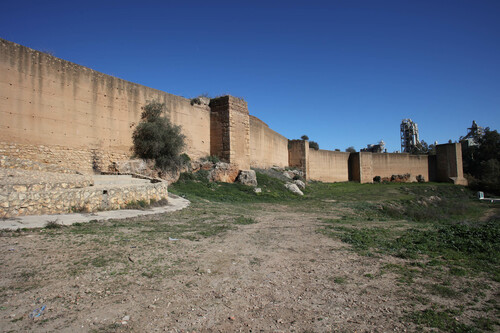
point(328, 166)
point(361, 167)
point(51, 102)
point(386, 165)
point(267, 147)
point(449, 165)
point(230, 131)
point(298, 156)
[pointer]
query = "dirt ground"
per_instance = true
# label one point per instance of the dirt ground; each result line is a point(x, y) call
point(277, 275)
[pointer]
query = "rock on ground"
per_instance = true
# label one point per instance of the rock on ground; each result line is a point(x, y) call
point(248, 177)
point(224, 172)
point(300, 184)
point(293, 188)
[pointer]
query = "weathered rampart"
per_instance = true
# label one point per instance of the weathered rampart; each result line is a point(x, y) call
point(78, 114)
point(267, 147)
point(328, 166)
point(57, 112)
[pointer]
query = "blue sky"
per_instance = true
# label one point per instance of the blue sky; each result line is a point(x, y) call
point(343, 72)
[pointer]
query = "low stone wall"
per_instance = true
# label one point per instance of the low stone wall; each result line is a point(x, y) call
point(16, 180)
point(57, 158)
point(88, 199)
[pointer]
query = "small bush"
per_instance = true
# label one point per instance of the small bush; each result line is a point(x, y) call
point(314, 145)
point(212, 158)
point(157, 139)
point(185, 159)
point(53, 225)
point(377, 179)
point(139, 204)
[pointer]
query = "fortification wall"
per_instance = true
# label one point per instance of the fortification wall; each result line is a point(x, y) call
point(361, 167)
point(230, 131)
point(50, 102)
point(298, 156)
point(449, 167)
point(365, 166)
point(57, 112)
point(328, 166)
point(386, 165)
point(267, 147)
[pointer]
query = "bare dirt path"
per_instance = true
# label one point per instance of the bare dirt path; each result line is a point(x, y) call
point(277, 275)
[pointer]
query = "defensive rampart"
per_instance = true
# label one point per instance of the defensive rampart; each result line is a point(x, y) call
point(328, 166)
point(57, 112)
point(78, 114)
point(267, 148)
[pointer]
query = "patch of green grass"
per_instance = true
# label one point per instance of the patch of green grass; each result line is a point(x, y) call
point(443, 291)
point(244, 220)
point(485, 324)
point(476, 246)
point(406, 274)
point(443, 320)
point(214, 230)
point(339, 280)
point(457, 271)
point(196, 187)
point(100, 262)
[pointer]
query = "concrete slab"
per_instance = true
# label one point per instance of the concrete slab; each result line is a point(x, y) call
point(39, 221)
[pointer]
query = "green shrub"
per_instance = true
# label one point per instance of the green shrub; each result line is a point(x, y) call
point(212, 158)
point(157, 139)
point(314, 145)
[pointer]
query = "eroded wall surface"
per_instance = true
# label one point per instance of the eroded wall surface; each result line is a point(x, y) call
point(449, 166)
point(328, 166)
point(55, 111)
point(47, 101)
point(267, 147)
point(386, 165)
point(364, 166)
point(298, 156)
point(230, 131)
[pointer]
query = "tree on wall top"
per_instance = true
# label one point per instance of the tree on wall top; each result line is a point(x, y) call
point(158, 139)
point(314, 145)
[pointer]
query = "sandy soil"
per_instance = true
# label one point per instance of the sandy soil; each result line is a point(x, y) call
point(278, 275)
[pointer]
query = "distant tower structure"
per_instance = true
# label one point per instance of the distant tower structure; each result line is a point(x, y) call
point(473, 135)
point(377, 148)
point(409, 135)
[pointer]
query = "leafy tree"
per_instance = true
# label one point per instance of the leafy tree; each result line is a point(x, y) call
point(157, 139)
point(350, 149)
point(482, 161)
point(304, 137)
point(314, 145)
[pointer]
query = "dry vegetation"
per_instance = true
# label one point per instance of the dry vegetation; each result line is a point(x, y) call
point(343, 258)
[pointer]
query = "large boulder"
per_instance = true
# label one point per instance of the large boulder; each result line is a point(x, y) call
point(293, 188)
point(224, 172)
point(248, 177)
